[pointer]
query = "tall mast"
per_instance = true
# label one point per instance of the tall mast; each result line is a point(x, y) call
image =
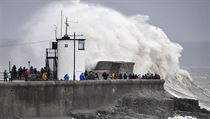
point(61, 22)
point(66, 26)
point(55, 32)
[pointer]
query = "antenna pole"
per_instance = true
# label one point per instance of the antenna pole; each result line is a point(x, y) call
point(55, 32)
point(61, 22)
point(66, 25)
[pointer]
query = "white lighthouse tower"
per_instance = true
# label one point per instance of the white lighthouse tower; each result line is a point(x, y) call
point(71, 56)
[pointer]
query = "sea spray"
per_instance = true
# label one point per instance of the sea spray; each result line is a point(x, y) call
point(113, 36)
point(182, 117)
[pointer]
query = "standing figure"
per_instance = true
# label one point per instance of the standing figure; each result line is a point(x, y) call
point(91, 76)
point(86, 74)
point(66, 77)
point(5, 75)
point(26, 74)
point(125, 76)
point(82, 77)
point(96, 76)
point(130, 76)
point(20, 73)
point(14, 72)
point(113, 76)
point(44, 76)
point(120, 76)
point(105, 75)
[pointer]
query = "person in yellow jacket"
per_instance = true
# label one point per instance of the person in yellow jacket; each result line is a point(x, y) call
point(113, 76)
point(44, 76)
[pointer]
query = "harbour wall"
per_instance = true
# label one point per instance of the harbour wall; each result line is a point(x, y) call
point(59, 98)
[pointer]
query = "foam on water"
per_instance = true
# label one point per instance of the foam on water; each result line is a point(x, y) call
point(113, 36)
point(181, 117)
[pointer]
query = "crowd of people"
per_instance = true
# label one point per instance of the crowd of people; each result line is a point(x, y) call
point(22, 73)
point(95, 76)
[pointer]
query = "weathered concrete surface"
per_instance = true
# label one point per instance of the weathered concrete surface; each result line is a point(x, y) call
point(60, 98)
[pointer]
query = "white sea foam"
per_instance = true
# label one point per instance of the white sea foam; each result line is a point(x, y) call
point(113, 36)
point(182, 117)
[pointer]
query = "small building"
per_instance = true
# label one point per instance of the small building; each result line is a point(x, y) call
point(66, 58)
point(71, 57)
point(115, 66)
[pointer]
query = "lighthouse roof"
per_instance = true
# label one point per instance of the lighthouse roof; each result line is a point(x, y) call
point(68, 38)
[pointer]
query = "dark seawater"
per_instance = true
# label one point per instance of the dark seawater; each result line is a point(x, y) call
point(201, 77)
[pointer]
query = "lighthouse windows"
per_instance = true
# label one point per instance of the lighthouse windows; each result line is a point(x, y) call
point(81, 45)
point(66, 45)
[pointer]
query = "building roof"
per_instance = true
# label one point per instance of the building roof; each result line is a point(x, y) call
point(68, 38)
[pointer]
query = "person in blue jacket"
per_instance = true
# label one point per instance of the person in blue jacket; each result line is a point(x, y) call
point(66, 77)
point(82, 77)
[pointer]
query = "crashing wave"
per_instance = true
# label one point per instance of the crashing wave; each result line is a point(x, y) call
point(113, 36)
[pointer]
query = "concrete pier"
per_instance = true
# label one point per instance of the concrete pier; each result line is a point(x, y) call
point(59, 98)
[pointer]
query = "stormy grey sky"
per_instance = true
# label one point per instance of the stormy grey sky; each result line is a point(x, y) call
point(184, 21)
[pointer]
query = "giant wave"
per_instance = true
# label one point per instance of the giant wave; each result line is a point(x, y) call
point(113, 36)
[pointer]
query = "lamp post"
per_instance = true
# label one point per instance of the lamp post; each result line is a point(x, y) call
point(75, 53)
point(28, 65)
point(74, 58)
point(9, 66)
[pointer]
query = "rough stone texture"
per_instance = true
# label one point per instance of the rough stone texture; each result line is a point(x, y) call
point(190, 107)
point(134, 106)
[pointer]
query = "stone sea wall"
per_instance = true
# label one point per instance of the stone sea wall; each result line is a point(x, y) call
point(60, 98)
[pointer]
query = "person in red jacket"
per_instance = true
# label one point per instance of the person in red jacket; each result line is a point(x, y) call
point(26, 74)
